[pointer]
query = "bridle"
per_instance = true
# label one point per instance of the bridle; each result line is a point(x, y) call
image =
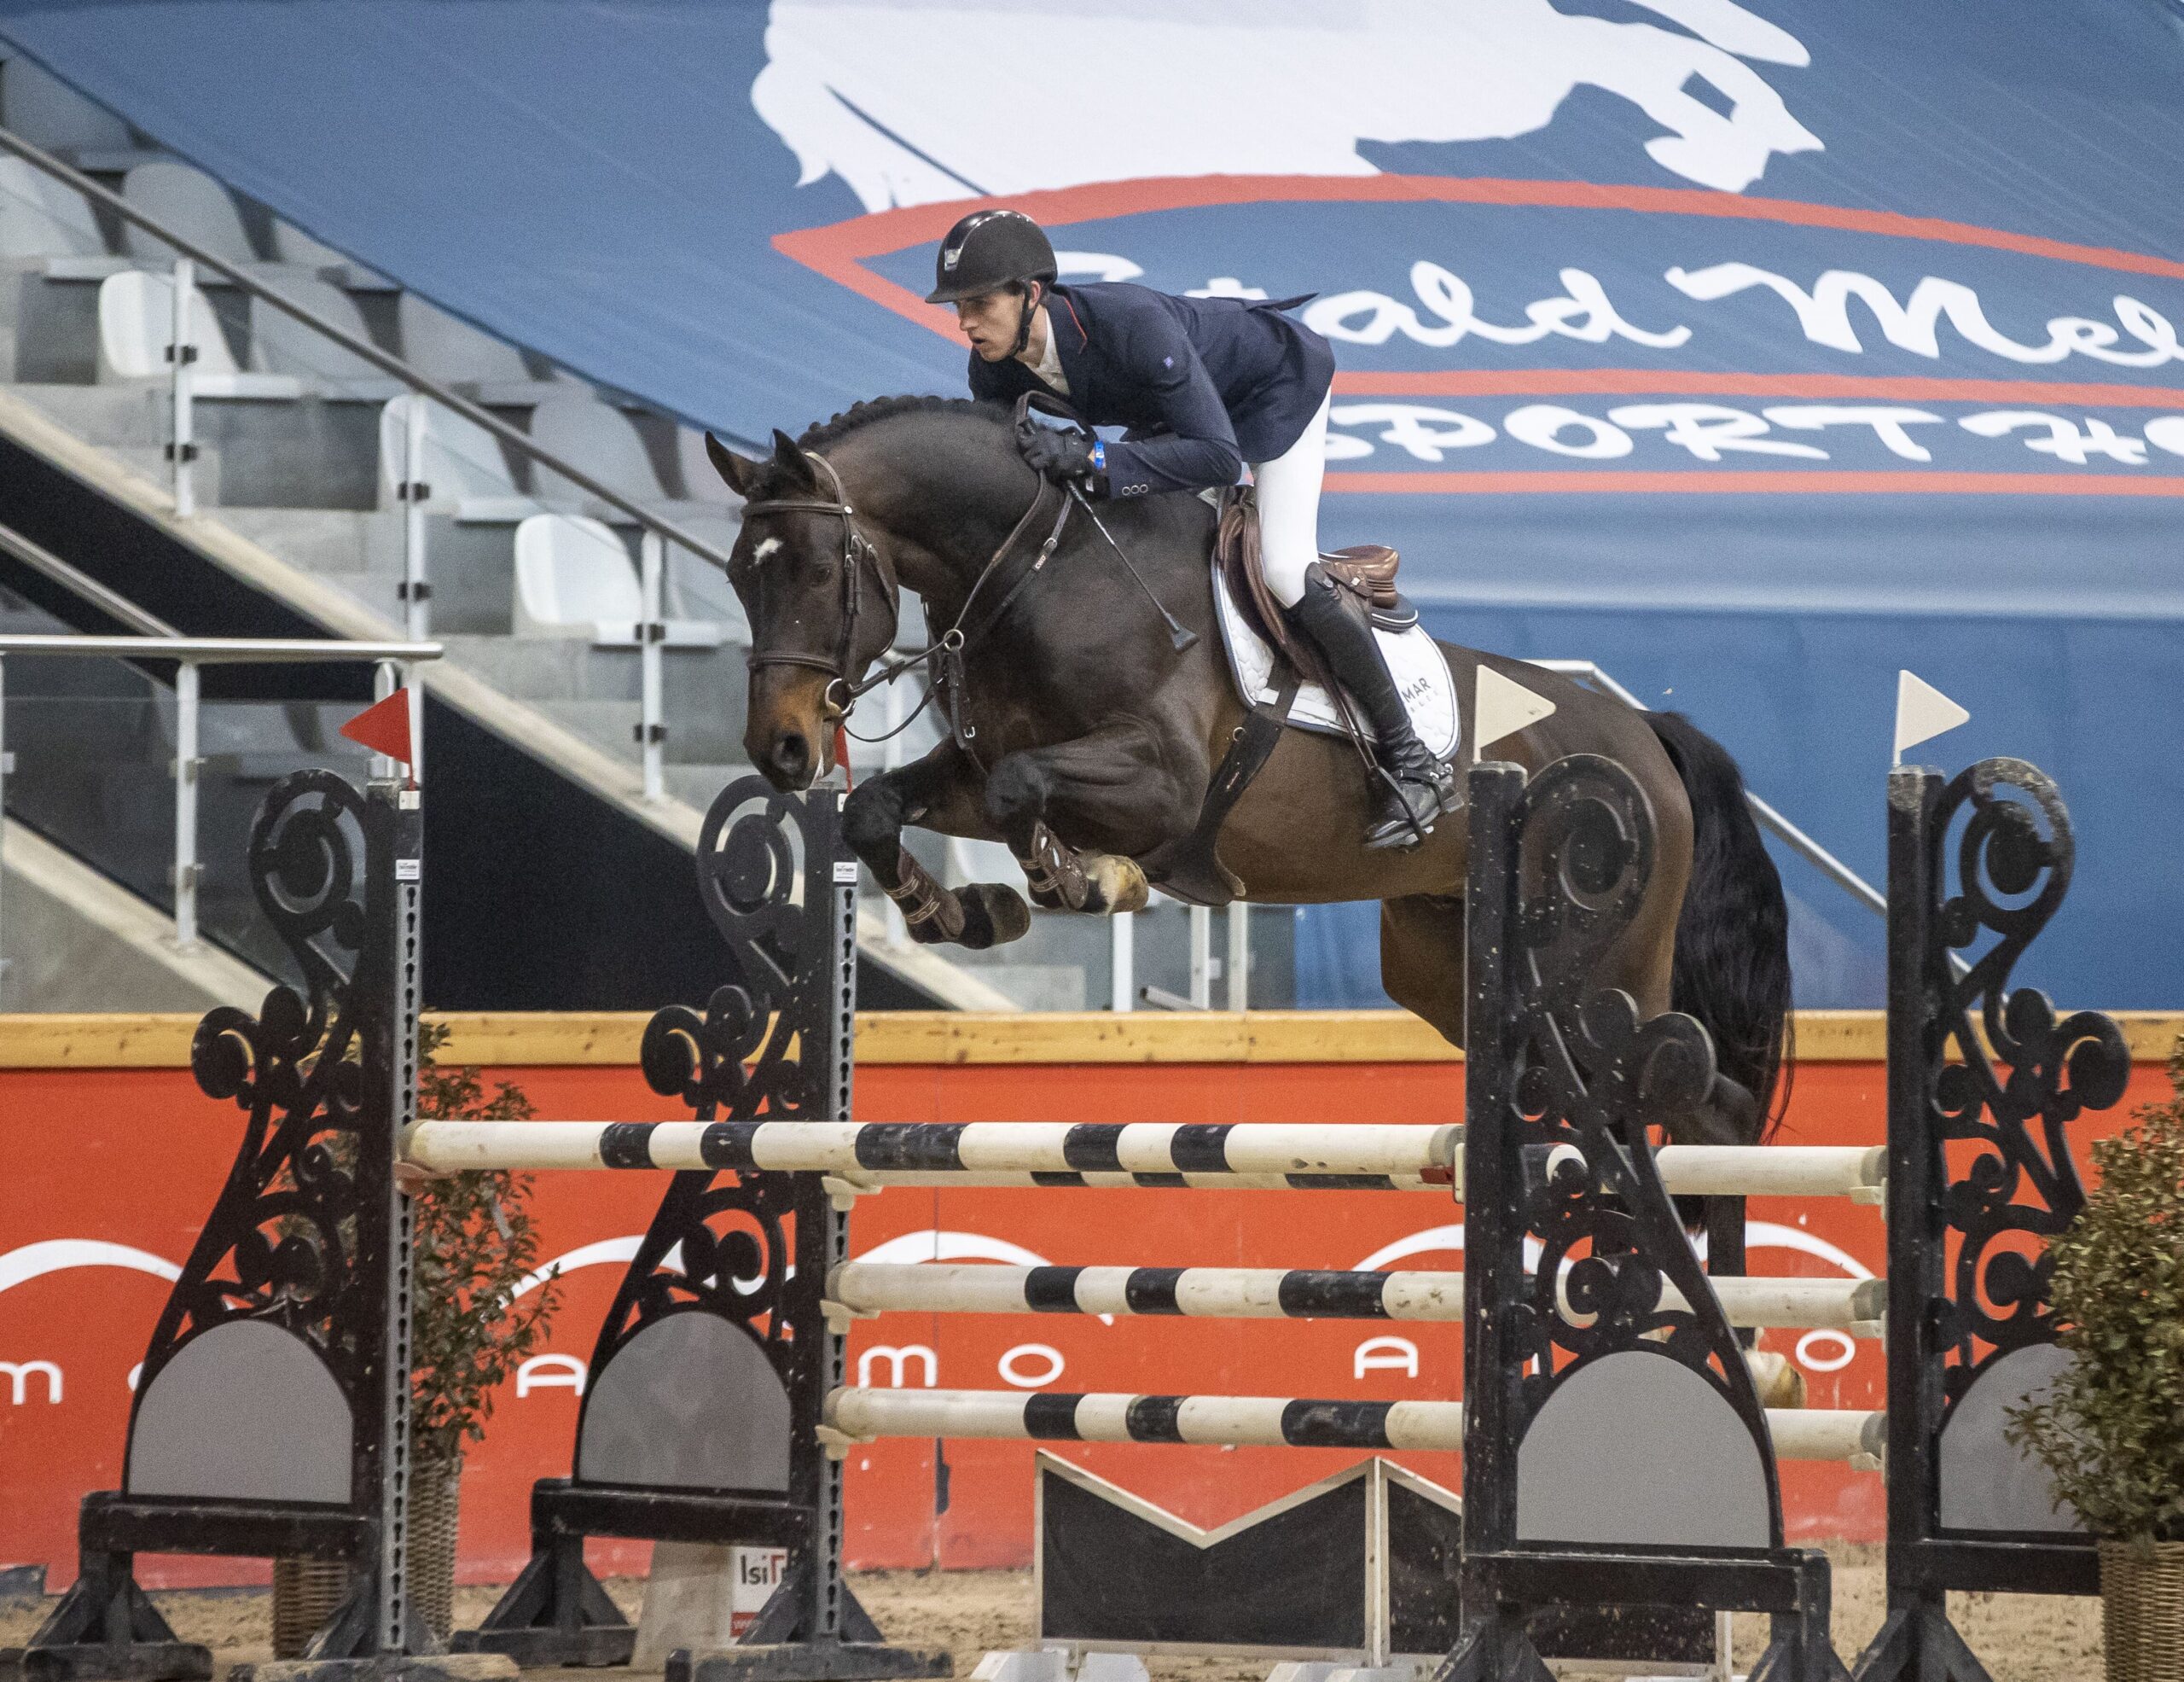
point(946, 655)
point(857, 557)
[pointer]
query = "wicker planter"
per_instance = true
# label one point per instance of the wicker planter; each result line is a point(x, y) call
point(435, 1505)
point(2142, 1610)
point(306, 1592)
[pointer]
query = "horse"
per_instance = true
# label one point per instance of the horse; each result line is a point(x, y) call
point(1084, 732)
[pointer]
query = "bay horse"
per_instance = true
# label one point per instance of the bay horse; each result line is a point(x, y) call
point(1086, 740)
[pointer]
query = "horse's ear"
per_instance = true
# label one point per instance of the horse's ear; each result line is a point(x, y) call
point(790, 459)
point(740, 471)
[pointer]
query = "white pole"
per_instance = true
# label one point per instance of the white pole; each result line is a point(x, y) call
point(1121, 962)
point(185, 805)
point(1201, 958)
point(1240, 955)
point(407, 673)
point(416, 589)
point(387, 677)
point(651, 563)
point(181, 353)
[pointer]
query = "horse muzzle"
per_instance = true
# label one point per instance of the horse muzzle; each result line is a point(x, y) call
point(787, 732)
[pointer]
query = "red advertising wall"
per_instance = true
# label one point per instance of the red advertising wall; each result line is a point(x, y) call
point(106, 1173)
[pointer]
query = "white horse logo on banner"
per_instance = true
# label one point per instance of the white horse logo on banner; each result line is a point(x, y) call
point(910, 103)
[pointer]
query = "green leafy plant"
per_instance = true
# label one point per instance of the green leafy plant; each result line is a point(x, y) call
point(2111, 1428)
point(476, 1241)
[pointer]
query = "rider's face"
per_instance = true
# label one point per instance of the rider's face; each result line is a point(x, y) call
point(990, 321)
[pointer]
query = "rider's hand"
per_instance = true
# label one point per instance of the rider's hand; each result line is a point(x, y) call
point(1061, 454)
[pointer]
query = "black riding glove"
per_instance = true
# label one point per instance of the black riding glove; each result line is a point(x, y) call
point(1061, 454)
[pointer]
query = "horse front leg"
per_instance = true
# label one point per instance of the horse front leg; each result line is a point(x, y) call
point(1111, 784)
point(938, 792)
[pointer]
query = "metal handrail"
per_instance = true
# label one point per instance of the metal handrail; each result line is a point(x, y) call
point(81, 584)
point(221, 650)
point(476, 413)
point(1788, 833)
point(189, 653)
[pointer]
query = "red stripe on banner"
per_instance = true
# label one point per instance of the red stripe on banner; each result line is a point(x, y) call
point(1820, 482)
point(838, 250)
point(1647, 381)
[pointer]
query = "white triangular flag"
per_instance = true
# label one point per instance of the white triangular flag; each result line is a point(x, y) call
point(1922, 712)
point(1502, 708)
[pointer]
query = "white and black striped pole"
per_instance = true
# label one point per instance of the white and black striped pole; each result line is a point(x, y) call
point(1045, 1416)
point(1294, 1294)
point(1349, 1156)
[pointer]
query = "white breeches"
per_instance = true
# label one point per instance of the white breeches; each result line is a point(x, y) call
point(1289, 509)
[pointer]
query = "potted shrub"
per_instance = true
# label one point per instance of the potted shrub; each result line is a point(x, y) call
point(2111, 1428)
point(474, 1243)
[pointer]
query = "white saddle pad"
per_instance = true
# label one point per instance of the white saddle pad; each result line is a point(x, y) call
point(1414, 660)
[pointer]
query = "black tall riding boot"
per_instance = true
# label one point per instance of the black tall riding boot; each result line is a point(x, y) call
point(1419, 786)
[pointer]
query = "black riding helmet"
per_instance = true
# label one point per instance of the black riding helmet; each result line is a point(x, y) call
point(988, 250)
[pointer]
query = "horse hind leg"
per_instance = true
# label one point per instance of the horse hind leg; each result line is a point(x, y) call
point(1061, 877)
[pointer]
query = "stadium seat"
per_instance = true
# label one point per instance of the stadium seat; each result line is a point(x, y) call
point(300, 250)
point(465, 470)
point(195, 206)
point(40, 218)
point(598, 438)
point(452, 351)
point(50, 114)
point(136, 326)
point(280, 344)
point(701, 480)
point(574, 578)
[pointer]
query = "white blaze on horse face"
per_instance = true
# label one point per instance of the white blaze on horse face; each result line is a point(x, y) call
point(886, 98)
point(767, 546)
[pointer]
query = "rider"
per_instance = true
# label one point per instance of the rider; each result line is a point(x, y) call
point(1206, 385)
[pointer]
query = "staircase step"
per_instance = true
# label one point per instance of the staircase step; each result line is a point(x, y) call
point(325, 539)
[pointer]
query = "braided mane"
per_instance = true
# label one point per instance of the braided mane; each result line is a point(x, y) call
point(860, 415)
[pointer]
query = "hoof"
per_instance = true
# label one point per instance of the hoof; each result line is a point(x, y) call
point(993, 915)
point(1779, 1383)
point(1116, 885)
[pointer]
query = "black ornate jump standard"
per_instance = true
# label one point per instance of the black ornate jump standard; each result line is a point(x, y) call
point(1974, 1064)
point(272, 1414)
point(1616, 1454)
point(702, 1416)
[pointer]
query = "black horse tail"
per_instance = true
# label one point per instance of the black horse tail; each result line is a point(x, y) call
point(1732, 968)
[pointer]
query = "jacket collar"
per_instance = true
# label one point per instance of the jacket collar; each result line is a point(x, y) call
point(1066, 321)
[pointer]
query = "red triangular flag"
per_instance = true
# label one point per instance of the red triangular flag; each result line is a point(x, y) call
point(384, 727)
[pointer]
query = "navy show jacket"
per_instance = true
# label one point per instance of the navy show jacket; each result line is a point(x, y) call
point(1203, 384)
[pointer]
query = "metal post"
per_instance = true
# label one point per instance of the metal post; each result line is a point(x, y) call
point(181, 354)
point(1240, 955)
point(416, 589)
point(1201, 958)
point(394, 865)
point(185, 804)
point(1121, 962)
point(651, 728)
point(891, 759)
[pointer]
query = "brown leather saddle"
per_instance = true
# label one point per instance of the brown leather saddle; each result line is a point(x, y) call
point(1366, 572)
point(1190, 867)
